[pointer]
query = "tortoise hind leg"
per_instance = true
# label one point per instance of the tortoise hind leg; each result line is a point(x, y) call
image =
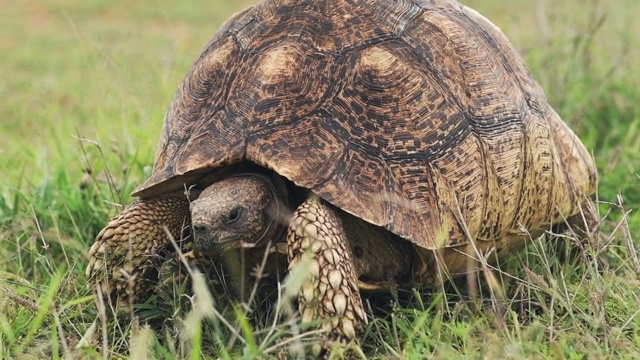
point(126, 252)
point(330, 294)
point(583, 229)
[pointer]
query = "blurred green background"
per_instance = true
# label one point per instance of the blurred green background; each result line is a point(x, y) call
point(106, 71)
point(85, 85)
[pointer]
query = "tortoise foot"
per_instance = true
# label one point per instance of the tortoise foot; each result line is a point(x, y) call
point(127, 252)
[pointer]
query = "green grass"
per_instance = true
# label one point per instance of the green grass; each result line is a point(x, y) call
point(85, 85)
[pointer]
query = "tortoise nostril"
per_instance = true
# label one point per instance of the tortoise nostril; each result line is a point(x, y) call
point(204, 241)
point(199, 229)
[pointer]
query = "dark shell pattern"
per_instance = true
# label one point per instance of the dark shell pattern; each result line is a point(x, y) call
point(418, 116)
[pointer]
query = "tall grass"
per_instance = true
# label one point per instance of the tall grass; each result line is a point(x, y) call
point(85, 86)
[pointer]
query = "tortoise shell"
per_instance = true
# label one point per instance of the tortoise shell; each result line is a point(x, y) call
point(418, 116)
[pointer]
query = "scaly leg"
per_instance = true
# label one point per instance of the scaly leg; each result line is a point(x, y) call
point(585, 226)
point(331, 293)
point(126, 251)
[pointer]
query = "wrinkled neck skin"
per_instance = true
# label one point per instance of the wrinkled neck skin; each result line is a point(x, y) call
point(240, 212)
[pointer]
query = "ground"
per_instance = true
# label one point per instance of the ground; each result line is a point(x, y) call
point(85, 85)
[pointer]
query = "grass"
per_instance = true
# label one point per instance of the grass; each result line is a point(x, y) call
point(85, 85)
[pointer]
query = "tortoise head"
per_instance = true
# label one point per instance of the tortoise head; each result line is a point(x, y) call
point(234, 213)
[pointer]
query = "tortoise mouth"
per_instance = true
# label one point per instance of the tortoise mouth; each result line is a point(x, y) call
point(206, 243)
point(209, 248)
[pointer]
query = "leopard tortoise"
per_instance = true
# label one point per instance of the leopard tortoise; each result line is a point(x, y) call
point(378, 141)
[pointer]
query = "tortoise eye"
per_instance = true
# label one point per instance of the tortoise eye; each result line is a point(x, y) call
point(234, 215)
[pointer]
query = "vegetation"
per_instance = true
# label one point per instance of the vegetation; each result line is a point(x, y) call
point(85, 85)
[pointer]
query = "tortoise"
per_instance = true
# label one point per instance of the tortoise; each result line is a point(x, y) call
point(377, 141)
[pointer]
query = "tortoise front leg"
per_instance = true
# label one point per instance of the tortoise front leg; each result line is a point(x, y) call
point(331, 293)
point(127, 250)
